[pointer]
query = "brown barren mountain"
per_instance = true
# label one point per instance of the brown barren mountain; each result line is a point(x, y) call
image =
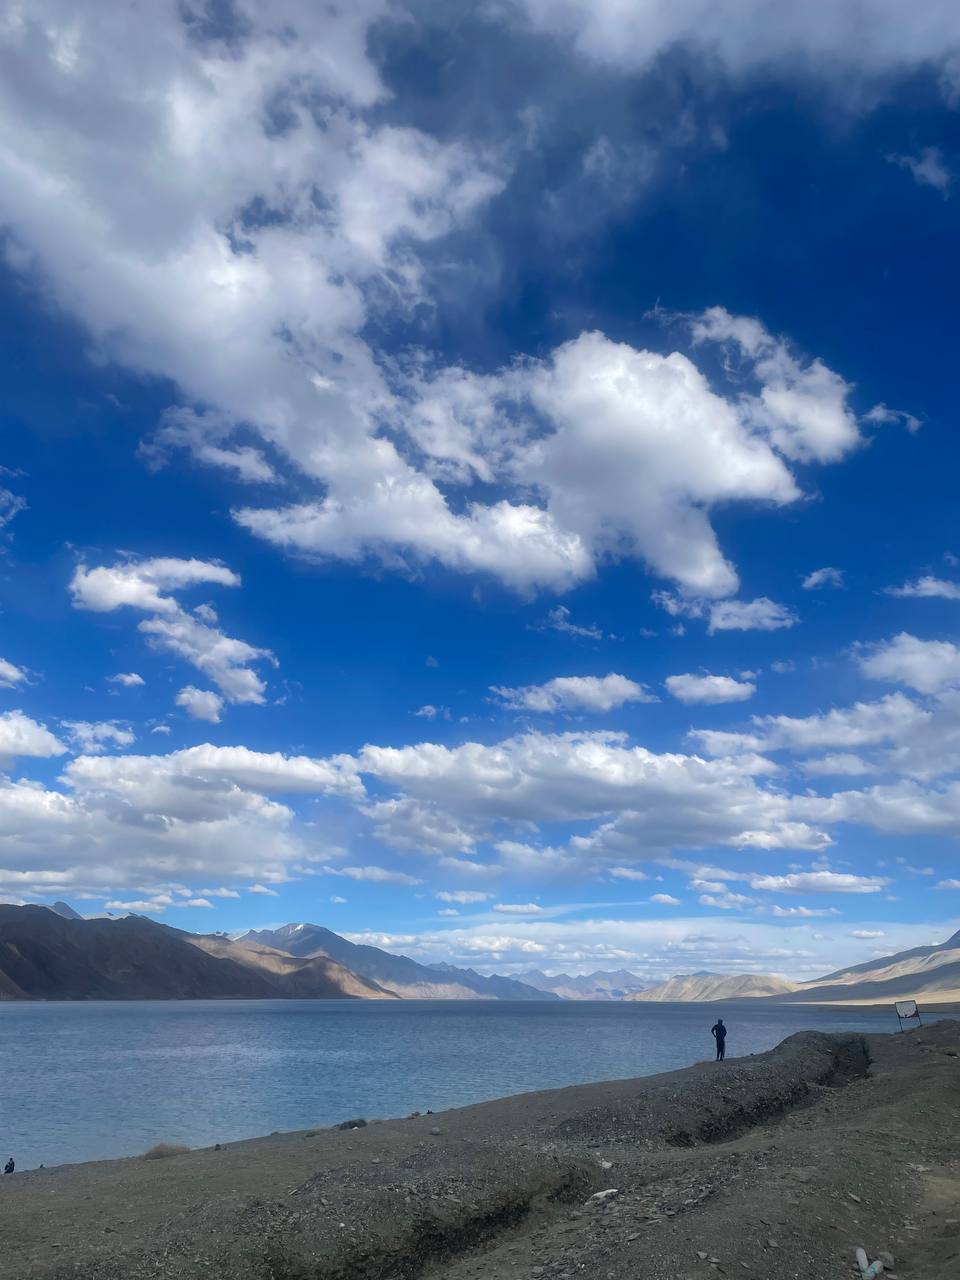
point(694, 987)
point(44, 956)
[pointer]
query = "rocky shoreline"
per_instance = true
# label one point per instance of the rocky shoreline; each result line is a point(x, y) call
point(783, 1162)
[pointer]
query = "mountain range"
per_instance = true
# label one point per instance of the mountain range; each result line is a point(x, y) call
point(45, 955)
point(716, 986)
point(601, 985)
point(408, 978)
point(53, 953)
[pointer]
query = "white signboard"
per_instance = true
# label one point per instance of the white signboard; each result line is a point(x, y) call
point(907, 1009)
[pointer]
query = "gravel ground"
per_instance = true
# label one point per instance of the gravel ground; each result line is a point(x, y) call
point(781, 1163)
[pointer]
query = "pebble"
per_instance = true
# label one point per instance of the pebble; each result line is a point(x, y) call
point(435, 1132)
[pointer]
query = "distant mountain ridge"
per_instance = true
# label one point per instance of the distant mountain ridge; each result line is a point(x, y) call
point(616, 985)
point(45, 955)
point(932, 971)
point(53, 953)
point(696, 987)
point(408, 978)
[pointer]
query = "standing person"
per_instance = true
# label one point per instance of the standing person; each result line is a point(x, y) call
point(719, 1033)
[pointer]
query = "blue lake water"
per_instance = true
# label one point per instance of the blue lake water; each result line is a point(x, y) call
point(92, 1080)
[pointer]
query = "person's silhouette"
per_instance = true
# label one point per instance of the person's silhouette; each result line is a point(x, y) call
point(9, 1166)
point(719, 1033)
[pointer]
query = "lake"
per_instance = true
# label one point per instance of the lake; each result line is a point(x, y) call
point(87, 1081)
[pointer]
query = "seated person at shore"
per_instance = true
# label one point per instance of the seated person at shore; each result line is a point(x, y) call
point(9, 1166)
point(719, 1033)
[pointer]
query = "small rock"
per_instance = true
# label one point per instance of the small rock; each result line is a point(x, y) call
point(600, 1197)
point(702, 1255)
point(855, 1199)
point(887, 1259)
point(773, 1244)
point(435, 1132)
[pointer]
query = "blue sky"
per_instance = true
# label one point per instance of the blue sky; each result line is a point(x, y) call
point(484, 483)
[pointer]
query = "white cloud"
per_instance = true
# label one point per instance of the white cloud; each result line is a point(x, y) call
point(197, 902)
point(558, 619)
point(641, 484)
point(21, 736)
point(518, 908)
point(337, 900)
point(842, 41)
point(201, 704)
point(94, 738)
point(219, 893)
point(866, 933)
point(924, 665)
point(894, 718)
point(726, 900)
point(270, 218)
point(118, 821)
point(657, 801)
point(11, 504)
point(141, 584)
point(750, 615)
point(10, 675)
point(818, 882)
point(376, 875)
point(628, 873)
point(262, 891)
point(129, 679)
point(150, 906)
point(665, 900)
point(826, 577)
point(195, 769)
point(462, 896)
point(205, 437)
point(880, 413)
point(947, 884)
point(709, 689)
point(927, 169)
point(927, 588)
point(802, 913)
point(842, 764)
point(801, 407)
point(222, 658)
point(575, 693)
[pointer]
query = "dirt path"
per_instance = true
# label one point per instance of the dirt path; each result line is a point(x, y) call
point(780, 1164)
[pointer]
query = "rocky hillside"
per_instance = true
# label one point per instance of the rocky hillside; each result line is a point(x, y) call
point(46, 956)
point(716, 986)
point(408, 978)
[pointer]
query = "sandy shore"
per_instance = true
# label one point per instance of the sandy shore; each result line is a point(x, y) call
point(777, 1164)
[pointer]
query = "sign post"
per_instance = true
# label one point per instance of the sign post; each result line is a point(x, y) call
point(907, 1010)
